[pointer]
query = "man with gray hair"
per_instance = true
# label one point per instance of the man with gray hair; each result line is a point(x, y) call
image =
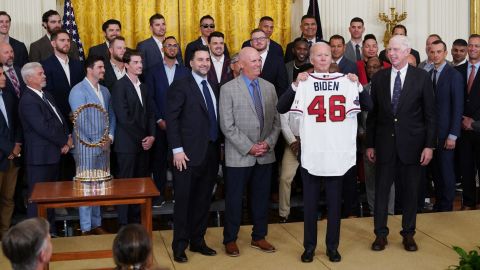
point(45, 133)
point(400, 137)
point(28, 245)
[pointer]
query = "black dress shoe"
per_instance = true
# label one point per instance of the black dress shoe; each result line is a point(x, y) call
point(307, 256)
point(204, 250)
point(180, 256)
point(333, 255)
point(409, 243)
point(379, 243)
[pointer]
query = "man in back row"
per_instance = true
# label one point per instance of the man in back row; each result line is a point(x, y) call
point(266, 24)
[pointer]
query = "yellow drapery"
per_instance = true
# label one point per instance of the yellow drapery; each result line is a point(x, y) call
point(235, 18)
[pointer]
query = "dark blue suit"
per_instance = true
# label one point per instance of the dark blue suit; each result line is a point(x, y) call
point(152, 55)
point(44, 135)
point(11, 133)
point(449, 100)
point(9, 87)
point(194, 44)
point(275, 72)
point(157, 85)
point(346, 66)
point(20, 52)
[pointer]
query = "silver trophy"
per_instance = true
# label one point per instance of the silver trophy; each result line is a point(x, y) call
point(92, 149)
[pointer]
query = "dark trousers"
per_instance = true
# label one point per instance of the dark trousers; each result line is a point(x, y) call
point(131, 165)
point(407, 180)
point(311, 192)
point(350, 193)
point(193, 193)
point(159, 162)
point(257, 179)
point(38, 174)
point(444, 178)
point(469, 149)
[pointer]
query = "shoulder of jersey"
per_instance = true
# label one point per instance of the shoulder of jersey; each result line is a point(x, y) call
point(326, 76)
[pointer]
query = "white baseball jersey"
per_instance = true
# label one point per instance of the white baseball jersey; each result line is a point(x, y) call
point(325, 109)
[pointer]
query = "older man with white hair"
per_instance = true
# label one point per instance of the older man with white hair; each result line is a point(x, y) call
point(400, 137)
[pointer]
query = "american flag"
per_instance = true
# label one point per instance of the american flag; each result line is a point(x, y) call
point(70, 26)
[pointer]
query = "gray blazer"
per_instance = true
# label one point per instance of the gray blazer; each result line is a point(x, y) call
point(42, 49)
point(350, 52)
point(240, 125)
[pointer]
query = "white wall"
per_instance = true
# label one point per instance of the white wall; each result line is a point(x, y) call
point(449, 19)
point(27, 18)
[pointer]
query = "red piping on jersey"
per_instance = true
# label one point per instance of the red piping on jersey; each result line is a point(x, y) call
point(296, 110)
point(325, 79)
point(354, 109)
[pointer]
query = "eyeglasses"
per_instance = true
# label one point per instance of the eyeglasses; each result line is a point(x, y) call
point(169, 46)
point(208, 26)
point(259, 39)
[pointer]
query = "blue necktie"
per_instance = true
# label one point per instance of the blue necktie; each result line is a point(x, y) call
point(397, 88)
point(213, 130)
point(257, 102)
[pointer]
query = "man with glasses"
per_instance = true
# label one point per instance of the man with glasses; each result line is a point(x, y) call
point(266, 24)
point(207, 26)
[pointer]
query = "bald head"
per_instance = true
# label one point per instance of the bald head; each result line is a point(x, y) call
point(6, 54)
point(321, 56)
point(250, 62)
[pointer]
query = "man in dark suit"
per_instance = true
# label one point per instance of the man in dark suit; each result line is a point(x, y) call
point(111, 29)
point(45, 133)
point(152, 48)
point(14, 83)
point(158, 78)
point(300, 53)
point(10, 146)
point(353, 48)
point(400, 138)
point(346, 66)
point(308, 26)
point(220, 71)
point(207, 26)
point(399, 29)
point(469, 142)
point(135, 130)
point(193, 133)
point(19, 48)
point(114, 66)
point(448, 86)
point(266, 24)
point(42, 48)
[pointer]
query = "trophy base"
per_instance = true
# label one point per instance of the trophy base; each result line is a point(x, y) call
point(98, 186)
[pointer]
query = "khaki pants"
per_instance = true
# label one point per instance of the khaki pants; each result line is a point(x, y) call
point(8, 180)
point(287, 173)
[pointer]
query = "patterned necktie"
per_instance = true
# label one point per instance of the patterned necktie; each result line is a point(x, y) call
point(397, 88)
point(213, 130)
point(471, 77)
point(13, 78)
point(357, 52)
point(257, 102)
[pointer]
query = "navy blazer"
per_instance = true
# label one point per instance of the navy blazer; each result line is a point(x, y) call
point(187, 119)
point(275, 72)
point(227, 74)
point(273, 47)
point(152, 55)
point(9, 87)
point(19, 51)
point(11, 133)
point(157, 83)
point(346, 66)
point(449, 98)
point(109, 79)
point(44, 134)
point(100, 50)
point(471, 105)
point(57, 82)
point(135, 120)
point(192, 45)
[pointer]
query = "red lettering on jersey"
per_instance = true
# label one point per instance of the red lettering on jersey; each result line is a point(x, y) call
point(336, 108)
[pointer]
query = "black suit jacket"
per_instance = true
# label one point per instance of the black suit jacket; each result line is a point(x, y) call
point(273, 47)
point(187, 119)
point(134, 120)
point(275, 72)
point(471, 107)
point(57, 82)
point(192, 45)
point(20, 52)
point(100, 50)
point(9, 87)
point(44, 134)
point(11, 133)
point(346, 66)
point(109, 79)
point(413, 128)
point(227, 74)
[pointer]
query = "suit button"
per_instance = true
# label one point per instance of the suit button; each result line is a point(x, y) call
point(396, 120)
point(393, 135)
point(468, 100)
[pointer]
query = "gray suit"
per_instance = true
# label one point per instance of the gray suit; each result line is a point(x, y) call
point(42, 49)
point(240, 124)
point(350, 52)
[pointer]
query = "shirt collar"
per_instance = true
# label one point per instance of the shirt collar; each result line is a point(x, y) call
point(63, 62)
point(165, 63)
point(38, 92)
point(403, 70)
point(6, 68)
point(198, 78)
point(93, 87)
point(264, 55)
point(476, 65)
point(108, 43)
point(158, 41)
point(339, 59)
point(137, 84)
point(248, 81)
point(222, 59)
point(440, 68)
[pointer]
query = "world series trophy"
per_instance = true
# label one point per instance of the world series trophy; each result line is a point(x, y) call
point(92, 149)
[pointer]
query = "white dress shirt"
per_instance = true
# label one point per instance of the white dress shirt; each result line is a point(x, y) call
point(264, 57)
point(160, 45)
point(393, 75)
point(218, 65)
point(137, 88)
point(119, 73)
point(65, 66)
point(40, 94)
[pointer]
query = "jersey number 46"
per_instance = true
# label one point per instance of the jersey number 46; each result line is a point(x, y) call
point(336, 108)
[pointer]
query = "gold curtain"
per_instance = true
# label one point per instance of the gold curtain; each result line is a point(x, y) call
point(474, 16)
point(235, 18)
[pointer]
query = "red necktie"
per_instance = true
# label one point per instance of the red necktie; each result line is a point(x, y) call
point(471, 77)
point(13, 78)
